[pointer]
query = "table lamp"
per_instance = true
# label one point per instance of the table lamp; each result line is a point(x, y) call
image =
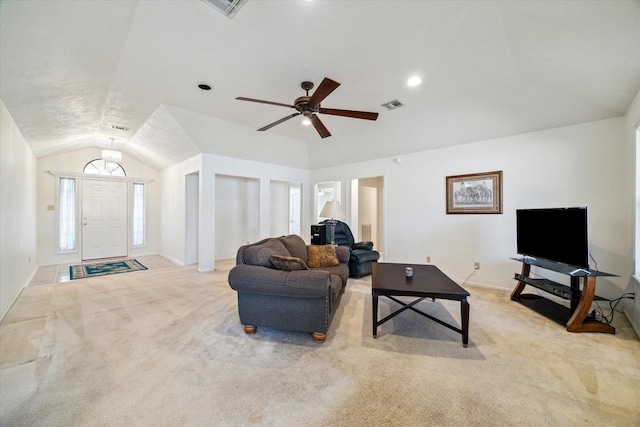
point(332, 210)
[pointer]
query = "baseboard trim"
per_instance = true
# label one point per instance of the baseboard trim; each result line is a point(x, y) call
point(633, 325)
point(25, 284)
point(170, 258)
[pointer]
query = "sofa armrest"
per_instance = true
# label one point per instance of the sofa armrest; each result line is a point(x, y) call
point(363, 245)
point(253, 279)
point(343, 253)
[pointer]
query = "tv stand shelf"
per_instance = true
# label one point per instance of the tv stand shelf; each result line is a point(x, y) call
point(576, 317)
point(546, 285)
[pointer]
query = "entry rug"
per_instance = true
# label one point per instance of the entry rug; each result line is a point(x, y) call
point(103, 268)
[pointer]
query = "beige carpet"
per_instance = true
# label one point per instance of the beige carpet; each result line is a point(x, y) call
point(164, 347)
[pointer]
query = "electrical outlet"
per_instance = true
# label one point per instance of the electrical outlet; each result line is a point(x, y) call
point(476, 265)
point(428, 259)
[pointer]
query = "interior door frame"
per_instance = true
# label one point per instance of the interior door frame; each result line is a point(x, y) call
point(353, 208)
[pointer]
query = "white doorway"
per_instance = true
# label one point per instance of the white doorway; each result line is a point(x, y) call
point(278, 208)
point(367, 207)
point(284, 208)
point(295, 204)
point(192, 218)
point(326, 192)
point(237, 214)
point(104, 219)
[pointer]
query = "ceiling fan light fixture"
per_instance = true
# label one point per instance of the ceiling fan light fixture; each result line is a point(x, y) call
point(306, 121)
point(309, 107)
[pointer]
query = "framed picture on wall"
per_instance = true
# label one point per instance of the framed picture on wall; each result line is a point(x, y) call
point(476, 193)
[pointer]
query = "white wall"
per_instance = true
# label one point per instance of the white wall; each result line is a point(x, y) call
point(74, 162)
point(631, 123)
point(18, 242)
point(237, 214)
point(572, 166)
point(214, 241)
point(278, 208)
point(173, 207)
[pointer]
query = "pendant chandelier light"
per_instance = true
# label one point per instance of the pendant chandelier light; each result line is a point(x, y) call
point(112, 156)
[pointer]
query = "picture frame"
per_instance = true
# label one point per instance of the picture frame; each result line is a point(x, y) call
point(476, 193)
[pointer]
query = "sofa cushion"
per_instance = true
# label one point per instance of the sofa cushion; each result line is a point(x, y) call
point(261, 254)
point(288, 263)
point(322, 256)
point(296, 246)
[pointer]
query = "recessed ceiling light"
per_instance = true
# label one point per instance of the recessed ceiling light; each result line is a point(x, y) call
point(414, 81)
point(204, 86)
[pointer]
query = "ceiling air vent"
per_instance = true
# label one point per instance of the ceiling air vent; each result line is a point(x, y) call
point(392, 105)
point(228, 7)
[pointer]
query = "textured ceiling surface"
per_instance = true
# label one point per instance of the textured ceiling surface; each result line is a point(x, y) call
point(72, 70)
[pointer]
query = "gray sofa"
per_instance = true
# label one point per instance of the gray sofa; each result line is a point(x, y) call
point(296, 300)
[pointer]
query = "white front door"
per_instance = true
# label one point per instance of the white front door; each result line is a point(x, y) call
point(104, 219)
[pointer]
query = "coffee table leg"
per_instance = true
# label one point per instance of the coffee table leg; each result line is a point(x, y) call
point(464, 309)
point(374, 311)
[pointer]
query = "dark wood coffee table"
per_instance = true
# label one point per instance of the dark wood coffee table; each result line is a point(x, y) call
point(389, 280)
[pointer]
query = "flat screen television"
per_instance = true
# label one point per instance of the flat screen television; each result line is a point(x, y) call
point(554, 234)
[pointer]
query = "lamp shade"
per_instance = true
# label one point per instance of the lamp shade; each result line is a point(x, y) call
point(332, 210)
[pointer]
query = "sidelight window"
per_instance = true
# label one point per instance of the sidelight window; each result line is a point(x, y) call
point(138, 214)
point(67, 215)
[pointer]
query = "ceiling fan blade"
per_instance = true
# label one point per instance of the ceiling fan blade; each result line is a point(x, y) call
point(326, 87)
point(279, 121)
point(322, 130)
point(242, 98)
point(349, 113)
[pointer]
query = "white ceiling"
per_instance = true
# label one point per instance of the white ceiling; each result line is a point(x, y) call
point(70, 70)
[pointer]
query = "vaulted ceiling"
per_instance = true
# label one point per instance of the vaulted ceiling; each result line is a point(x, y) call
point(73, 72)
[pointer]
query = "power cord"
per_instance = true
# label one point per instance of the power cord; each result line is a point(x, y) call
point(472, 273)
point(595, 264)
point(608, 319)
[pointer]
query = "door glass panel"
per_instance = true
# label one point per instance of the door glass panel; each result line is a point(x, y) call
point(103, 167)
point(137, 220)
point(67, 215)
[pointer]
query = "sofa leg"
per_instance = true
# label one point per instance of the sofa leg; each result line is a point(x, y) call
point(319, 336)
point(250, 329)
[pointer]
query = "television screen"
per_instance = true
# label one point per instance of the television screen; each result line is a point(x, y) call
point(555, 234)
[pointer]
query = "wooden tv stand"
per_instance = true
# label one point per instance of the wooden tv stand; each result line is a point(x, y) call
point(576, 317)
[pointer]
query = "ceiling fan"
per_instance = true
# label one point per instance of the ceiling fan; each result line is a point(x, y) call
point(309, 106)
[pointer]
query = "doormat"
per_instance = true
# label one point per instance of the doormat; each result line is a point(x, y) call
point(103, 268)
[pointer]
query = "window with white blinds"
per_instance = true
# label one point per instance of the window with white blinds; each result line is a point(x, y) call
point(67, 215)
point(138, 214)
